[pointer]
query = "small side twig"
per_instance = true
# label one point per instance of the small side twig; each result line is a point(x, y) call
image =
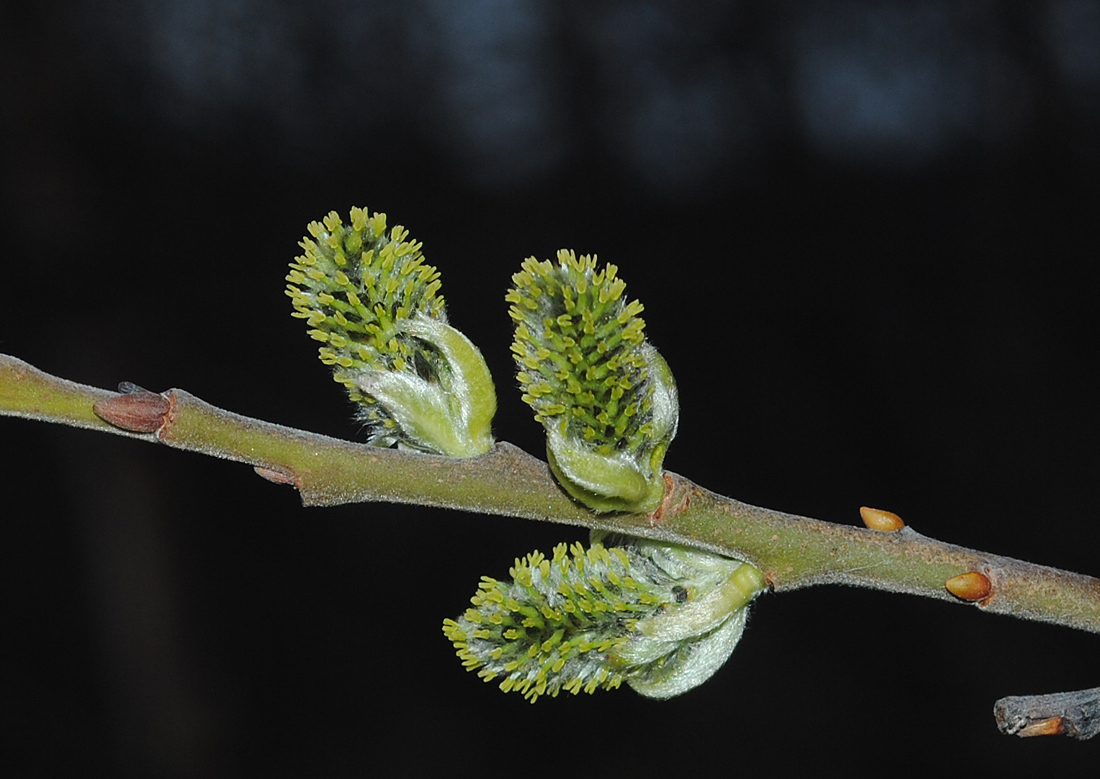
point(1074, 714)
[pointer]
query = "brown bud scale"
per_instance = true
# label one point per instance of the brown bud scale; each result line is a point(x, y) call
point(276, 475)
point(137, 412)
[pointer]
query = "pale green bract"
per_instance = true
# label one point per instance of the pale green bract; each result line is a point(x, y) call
point(371, 300)
point(658, 617)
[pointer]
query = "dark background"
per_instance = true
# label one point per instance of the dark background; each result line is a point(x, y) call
point(865, 235)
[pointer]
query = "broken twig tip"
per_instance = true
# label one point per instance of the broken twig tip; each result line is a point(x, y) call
point(877, 519)
point(137, 410)
point(972, 586)
point(1075, 714)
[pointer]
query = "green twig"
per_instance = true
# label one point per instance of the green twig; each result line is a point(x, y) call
point(792, 551)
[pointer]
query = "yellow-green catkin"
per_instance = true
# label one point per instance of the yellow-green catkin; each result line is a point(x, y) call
point(658, 617)
point(605, 396)
point(368, 296)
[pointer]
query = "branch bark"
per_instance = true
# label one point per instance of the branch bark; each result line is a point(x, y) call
point(792, 551)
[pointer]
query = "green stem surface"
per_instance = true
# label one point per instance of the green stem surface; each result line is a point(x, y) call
point(792, 551)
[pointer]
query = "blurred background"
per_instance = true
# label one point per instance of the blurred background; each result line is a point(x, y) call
point(865, 235)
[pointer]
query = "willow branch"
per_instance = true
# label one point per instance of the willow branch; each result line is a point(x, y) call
point(792, 551)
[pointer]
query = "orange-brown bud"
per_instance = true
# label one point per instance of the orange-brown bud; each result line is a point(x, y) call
point(969, 586)
point(877, 519)
point(1051, 726)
